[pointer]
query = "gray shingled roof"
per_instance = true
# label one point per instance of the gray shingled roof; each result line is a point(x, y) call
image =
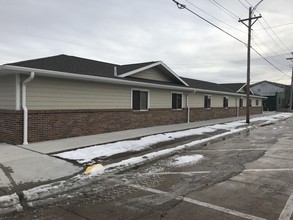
point(234, 87)
point(77, 65)
point(199, 84)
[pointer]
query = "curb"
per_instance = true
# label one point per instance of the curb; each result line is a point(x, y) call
point(10, 203)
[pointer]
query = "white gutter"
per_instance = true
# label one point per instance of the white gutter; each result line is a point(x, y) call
point(59, 74)
point(228, 93)
point(24, 107)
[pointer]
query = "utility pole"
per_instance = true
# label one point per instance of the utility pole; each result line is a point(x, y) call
point(249, 25)
point(291, 90)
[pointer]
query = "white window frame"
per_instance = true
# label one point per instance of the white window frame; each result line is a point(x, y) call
point(131, 101)
point(204, 100)
point(181, 93)
point(227, 97)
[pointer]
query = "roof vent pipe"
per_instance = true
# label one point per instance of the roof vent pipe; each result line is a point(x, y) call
point(115, 71)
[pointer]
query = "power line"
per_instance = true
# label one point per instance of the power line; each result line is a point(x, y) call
point(276, 35)
point(213, 16)
point(280, 25)
point(258, 38)
point(220, 6)
point(181, 6)
point(272, 38)
point(269, 61)
point(243, 4)
point(248, 3)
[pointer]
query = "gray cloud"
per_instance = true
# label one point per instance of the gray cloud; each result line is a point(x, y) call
point(137, 31)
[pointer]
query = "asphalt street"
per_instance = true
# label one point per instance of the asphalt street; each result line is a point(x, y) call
point(242, 177)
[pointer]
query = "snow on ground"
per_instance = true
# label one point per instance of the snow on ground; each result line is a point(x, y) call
point(187, 159)
point(86, 155)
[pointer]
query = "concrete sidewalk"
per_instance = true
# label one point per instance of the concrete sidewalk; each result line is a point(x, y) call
point(21, 169)
point(48, 147)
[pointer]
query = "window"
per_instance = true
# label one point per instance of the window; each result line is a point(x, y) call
point(176, 101)
point(139, 100)
point(241, 102)
point(225, 102)
point(256, 102)
point(250, 102)
point(207, 101)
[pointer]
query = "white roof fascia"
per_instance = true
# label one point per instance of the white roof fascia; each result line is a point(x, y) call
point(227, 93)
point(243, 87)
point(151, 66)
point(59, 74)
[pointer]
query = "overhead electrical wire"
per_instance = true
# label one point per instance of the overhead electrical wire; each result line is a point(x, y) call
point(269, 62)
point(181, 6)
point(272, 37)
point(220, 6)
point(255, 35)
point(276, 34)
point(281, 25)
point(214, 16)
point(243, 4)
point(269, 27)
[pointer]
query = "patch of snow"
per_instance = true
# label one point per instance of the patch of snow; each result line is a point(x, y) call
point(157, 154)
point(86, 155)
point(188, 159)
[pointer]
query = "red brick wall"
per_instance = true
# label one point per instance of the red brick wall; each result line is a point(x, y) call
point(11, 126)
point(48, 125)
point(200, 114)
point(57, 124)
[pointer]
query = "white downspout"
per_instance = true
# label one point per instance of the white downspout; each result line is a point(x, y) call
point(237, 107)
point(24, 107)
point(188, 109)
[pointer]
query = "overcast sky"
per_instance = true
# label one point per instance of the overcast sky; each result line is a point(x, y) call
point(132, 31)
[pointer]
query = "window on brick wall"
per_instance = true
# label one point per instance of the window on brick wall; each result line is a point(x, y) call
point(140, 100)
point(225, 102)
point(207, 101)
point(176, 101)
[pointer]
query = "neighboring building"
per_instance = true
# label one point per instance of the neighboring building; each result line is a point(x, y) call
point(65, 96)
point(278, 95)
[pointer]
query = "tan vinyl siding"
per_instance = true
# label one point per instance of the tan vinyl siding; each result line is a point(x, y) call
point(160, 98)
point(48, 94)
point(8, 92)
point(196, 100)
point(152, 74)
point(163, 98)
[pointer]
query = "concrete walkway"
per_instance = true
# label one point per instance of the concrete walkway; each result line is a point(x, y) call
point(48, 147)
point(21, 168)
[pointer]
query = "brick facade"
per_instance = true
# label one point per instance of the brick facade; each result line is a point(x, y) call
point(48, 125)
point(57, 124)
point(11, 126)
point(200, 114)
